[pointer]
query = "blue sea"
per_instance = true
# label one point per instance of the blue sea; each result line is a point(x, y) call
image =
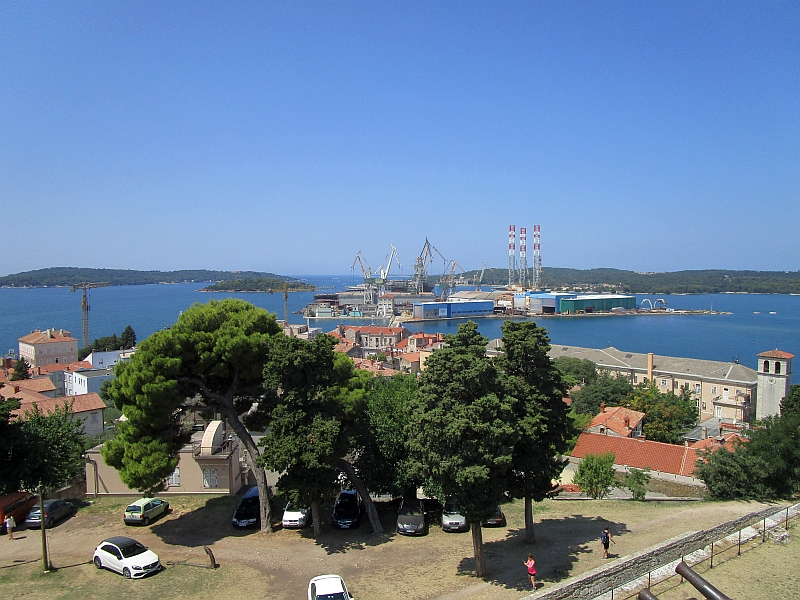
point(749, 329)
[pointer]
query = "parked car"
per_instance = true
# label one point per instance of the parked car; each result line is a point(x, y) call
point(248, 511)
point(452, 519)
point(498, 519)
point(145, 510)
point(296, 517)
point(127, 556)
point(54, 511)
point(17, 505)
point(347, 510)
point(411, 517)
point(328, 587)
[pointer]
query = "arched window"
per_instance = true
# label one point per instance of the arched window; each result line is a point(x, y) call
point(777, 368)
point(766, 366)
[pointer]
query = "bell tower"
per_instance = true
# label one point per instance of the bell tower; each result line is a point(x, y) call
point(774, 381)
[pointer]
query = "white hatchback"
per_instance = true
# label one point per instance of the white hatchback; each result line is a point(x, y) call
point(328, 587)
point(127, 556)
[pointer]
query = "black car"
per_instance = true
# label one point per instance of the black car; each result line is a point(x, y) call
point(54, 510)
point(411, 517)
point(248, 511)
point(498, 519)
point(347, 510)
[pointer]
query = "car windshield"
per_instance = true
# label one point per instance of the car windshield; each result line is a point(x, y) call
point(451, 508)
point(334, 596)
point(249, 503)
point(133, 509)
point(410, 509)
point(134, 549)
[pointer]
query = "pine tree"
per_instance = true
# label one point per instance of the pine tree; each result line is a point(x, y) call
point(21, 370)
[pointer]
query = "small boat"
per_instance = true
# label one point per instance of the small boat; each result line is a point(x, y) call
point(772, 312)
point(756, 312)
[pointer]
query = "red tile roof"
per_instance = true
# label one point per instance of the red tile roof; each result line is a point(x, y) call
point(726, 440)
point(667, 458)
point(76, 366)
point(80, 404)
point(374, 329)
point(410, 357)
point(614, 417)
point(39, 384)
point(375, 367)
point(48, 336)
point(776, 354)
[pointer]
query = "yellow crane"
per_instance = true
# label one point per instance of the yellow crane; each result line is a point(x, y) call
point(85, 286)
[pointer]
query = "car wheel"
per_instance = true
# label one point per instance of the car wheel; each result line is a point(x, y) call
point(98, 563)
point(126, 573)
point(50, 523)
point(146, 521)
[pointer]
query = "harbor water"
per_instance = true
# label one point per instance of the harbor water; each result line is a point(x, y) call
point(757, 322)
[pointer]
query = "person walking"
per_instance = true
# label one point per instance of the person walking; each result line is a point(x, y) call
point(606, 538)
point(531, 564)
point(10, 524)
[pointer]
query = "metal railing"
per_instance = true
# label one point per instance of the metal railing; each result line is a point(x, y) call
point(663, 579)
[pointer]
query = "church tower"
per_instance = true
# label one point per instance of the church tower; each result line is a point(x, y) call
point(774, 381)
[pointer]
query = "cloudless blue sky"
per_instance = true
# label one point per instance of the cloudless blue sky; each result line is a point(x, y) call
point(288, 136)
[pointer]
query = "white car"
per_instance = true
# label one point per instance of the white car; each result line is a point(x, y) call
point(328, 587)
point(127, 556)
point(296, 517)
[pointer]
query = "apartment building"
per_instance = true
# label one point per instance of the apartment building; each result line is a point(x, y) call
point(48, 347)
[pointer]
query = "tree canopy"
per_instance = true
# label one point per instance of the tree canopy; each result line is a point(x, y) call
point(462, 435)
point(790, 405)
point(317, 396)
point(575, 371)
point(606, 389)
point(595, 475)
point(667, 416)
point(21, 370)
point(535, 390)
point(210, 360)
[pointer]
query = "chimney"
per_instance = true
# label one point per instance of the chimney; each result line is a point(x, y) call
point(650, 368)
point(704, 433)
point(627, 422)
point(602, 407)
point(38, 370)
point(16, 389)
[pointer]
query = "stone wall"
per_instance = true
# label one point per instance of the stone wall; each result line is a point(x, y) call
point(602, 579)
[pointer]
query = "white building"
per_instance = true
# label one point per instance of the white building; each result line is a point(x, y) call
point(49, 347)
point(108, 358)
point(774, 381)
point(86, 381)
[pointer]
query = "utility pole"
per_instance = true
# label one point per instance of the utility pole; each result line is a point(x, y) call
point(45, 558)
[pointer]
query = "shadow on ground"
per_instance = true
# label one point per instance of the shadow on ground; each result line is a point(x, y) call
point(202, 526)
point(337, 541)
point(558, 545)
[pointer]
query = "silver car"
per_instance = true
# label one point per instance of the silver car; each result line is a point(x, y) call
point(452, 519)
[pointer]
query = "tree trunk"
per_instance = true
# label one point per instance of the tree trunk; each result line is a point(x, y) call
point(43, 522)
point(372, 513)
point(258, 472)
point(316, 519)
point(530, 535)
point(477, 547)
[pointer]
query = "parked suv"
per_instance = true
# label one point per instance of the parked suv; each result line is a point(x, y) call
point(347, 510)
point(452, 519)
point(54, 510)
point(248, 511)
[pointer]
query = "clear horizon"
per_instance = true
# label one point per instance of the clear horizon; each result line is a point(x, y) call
point(287, 138)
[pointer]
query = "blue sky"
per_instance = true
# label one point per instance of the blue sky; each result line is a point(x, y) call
point(286, 137)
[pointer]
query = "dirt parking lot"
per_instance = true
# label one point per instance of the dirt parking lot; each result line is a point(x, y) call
point(387, 566)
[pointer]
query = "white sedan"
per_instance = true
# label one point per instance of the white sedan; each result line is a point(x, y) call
point(328, 587)
point(127, 556)
point(296, 517)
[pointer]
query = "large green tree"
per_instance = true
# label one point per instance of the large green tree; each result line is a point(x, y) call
point(790, 405)
point(128, 338)
point(211, 359)
point(317, 397)
point(667, 416)
point(575, 371)
point(382, 456)
point(535, 390)
point(13, 452)
point(606, 389)
point(462, 435)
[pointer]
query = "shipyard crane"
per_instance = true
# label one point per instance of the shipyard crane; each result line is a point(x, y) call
point(383, 276)
point(448, 280)
point(369, 280)
point(85, 286)
point(480, 277)
point(417, 285)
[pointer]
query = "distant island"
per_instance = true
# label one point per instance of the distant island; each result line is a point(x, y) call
point(69, 276)
point(717, 281)
point(259, 284)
